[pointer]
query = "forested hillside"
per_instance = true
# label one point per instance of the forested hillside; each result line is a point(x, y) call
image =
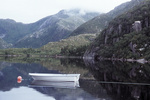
point(127, 36)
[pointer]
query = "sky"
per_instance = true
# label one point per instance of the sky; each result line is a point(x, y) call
point(29, 11)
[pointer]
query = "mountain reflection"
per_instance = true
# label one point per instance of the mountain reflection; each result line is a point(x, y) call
point(86, 91)
point(120, 79)
point(10, 72)
point(99, 80)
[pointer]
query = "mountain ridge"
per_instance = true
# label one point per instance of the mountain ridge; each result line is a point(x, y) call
point(50, 28)
point(55, 28)
point(97, 24)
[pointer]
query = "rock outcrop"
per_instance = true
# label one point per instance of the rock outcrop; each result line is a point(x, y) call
point(137, 26)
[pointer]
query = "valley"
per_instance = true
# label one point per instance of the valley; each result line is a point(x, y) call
point(110, 51)
point(70, 33)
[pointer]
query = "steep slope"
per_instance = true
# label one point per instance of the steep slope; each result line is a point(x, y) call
point(55, 28)
point(4, 45)
point(97, 24)
point(11, 31)
point(127, 36)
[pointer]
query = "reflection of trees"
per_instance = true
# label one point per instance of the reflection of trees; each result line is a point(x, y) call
point(119, 71)
point(94, 88)
point(122, 72)
point(67, 66)
point(127, 92)
point(78, 62)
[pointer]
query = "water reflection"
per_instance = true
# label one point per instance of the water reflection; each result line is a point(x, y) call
point(62, 84)
point(103, 80)
point(11, 71)
point(11, 89)
point(122, 81)
point(66, 94)
point(23, 93)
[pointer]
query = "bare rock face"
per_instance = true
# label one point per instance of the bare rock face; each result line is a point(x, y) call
point(120, 28)
point(137, 26)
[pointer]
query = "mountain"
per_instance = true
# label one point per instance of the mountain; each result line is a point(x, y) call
point(4, 45)
point(126, 36)
point(54, 28)
point(97, 24)
point(11, 31)
point(51, 28)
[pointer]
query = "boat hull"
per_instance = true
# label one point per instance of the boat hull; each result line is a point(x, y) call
point(55, 77)
point(37, 83)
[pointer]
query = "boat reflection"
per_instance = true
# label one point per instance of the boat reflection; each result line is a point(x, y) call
point(38, 83)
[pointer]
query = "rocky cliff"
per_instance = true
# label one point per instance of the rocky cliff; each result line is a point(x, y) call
point(127, 36)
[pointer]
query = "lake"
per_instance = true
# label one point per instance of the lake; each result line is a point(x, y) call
point(101, 80)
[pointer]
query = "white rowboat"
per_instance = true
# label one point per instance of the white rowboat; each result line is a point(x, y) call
point(55, 77)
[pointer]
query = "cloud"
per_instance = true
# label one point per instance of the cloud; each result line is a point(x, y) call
point(28, 11)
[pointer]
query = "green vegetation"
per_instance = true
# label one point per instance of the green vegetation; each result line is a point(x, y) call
point(19, 52)
point(95, 25)
point(74, 51)
point(73, 46)
point(122, 49)
point(120, 40)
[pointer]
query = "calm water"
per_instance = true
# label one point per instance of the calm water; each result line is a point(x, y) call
point(99, 80)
